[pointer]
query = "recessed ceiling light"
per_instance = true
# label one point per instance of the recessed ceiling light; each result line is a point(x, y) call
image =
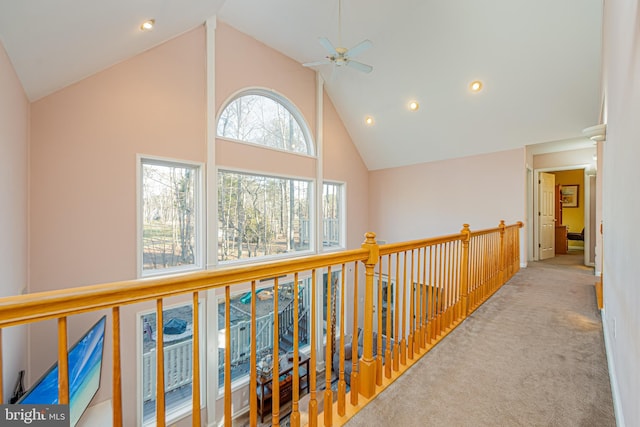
point(476, 86)
point(413, 106)
point(369, 120)
point(148, 25)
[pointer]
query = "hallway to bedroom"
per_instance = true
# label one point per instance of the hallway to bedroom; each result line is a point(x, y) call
point(533, 354)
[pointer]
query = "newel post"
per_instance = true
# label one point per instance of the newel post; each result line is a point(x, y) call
point(464, 271)
point(502, 228)
point(367, 381)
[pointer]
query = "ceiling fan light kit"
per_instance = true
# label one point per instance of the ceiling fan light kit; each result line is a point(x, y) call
point(341, 56)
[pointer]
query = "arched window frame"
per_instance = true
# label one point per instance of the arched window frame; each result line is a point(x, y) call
point(287, 104)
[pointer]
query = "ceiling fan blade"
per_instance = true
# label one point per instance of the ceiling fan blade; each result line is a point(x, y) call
point(316, 63)
point(328, 46)
point(359, 48)
point(360, 66)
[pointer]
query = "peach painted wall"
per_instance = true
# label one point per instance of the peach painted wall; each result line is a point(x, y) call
point(84, 143)
point(242, 63)
point(342, 163)
point(14, 140)
point(432, 199)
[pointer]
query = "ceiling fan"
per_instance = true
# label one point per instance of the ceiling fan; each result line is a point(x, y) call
point(339, 56)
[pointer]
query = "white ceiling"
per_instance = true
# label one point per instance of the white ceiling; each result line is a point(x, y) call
point(539, 61)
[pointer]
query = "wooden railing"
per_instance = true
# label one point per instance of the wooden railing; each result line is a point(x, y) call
point(437, 283)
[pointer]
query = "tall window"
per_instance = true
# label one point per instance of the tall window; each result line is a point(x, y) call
point(262, 216)
point(241, 334)
point(169, 216)
point(332, 215)
point(178, 367)
point(265, 118)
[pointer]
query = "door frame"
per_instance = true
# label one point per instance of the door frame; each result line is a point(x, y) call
point(536, 208)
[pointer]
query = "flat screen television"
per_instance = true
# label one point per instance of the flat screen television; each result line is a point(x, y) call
point(85, 366)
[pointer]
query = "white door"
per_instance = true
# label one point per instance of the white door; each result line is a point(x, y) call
point(546, 206)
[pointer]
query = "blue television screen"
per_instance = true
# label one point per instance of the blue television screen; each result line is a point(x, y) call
point(85, 365)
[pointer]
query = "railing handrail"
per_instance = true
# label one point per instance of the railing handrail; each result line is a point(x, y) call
point(518, 224)
point(389, 248)
point(28, 308)
point(459, 272)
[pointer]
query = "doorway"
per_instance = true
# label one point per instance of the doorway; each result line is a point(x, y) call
point(566, 206)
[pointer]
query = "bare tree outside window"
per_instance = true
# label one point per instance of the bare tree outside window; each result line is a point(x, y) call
point(262, 120)
point(169, 215)
point(261, 215)
point(332, 206)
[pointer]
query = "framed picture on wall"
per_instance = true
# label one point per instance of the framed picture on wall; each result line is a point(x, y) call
point(570, 195)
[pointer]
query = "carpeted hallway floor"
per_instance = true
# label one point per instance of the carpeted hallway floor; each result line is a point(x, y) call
point(533, 355)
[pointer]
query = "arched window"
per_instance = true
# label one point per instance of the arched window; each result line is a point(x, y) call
point(265, 118)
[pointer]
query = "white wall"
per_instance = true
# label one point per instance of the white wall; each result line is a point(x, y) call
point(432, 199)
point(621, 205)
point(14, 138)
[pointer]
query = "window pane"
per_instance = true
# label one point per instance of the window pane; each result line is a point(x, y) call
point(261, 215)
point(169, 215)
point(332, 215)
point(178, 368)
point(241, 325)
point(262, 120)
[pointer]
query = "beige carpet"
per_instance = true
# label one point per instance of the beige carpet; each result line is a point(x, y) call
point(533, 355)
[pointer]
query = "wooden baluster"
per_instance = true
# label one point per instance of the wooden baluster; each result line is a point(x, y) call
point(195, 377)
point(455, 289)
point(1, 368)
point(457, 274)
point(388, 358)
point(253, 374)
point(342, 384)
point(478, 268)
point(63, 363)
point(160, 401)
point(441, 288)
point(313, 400)
point(227, 356)
point(423, 301)
point(430, 300)
point(378, 342)
point(447, 285)
point(488, 268)
point(451, 283)
point(275, 384)
point(411, 311)
point(295, 414)
point(396, 319)
point(116, 370)
point(501, 254)
point(328, 394)
point(416, 333)
point(464, 272)
point(483, 269)
point(403, 342)
point(368, 368)
point(354, 341)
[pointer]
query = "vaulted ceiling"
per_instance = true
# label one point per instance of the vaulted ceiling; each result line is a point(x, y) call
point(539, 62)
